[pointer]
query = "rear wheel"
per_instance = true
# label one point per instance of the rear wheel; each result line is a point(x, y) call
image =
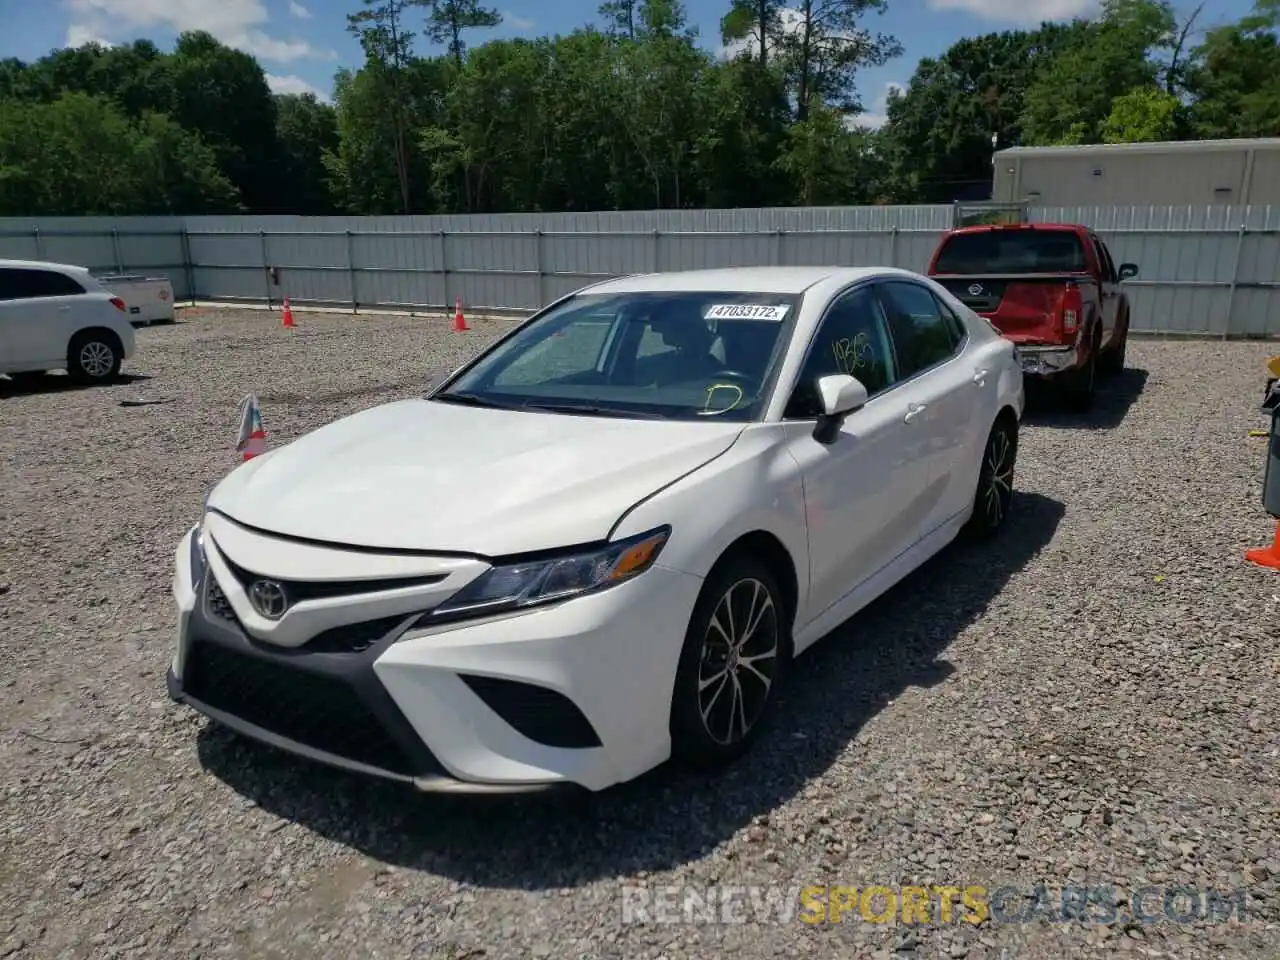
point(733, 659)
point(1083, 387)
point(94, 357)
point(1113, 359)
point(994, 496)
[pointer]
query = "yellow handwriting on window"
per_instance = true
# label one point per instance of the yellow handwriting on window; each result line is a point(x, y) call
point(853, 355)
point(707, 410)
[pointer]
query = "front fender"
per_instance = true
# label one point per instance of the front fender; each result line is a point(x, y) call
point(754, 486)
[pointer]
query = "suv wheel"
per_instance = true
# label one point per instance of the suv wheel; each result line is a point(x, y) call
point(94, 357)
point(1083, 387)
point(1113, 359)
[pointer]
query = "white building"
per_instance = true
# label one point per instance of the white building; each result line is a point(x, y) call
point(1196, 172)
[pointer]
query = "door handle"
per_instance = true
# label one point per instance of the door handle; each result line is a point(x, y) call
point(980, 377)
point(914, 411)
point(64, 309)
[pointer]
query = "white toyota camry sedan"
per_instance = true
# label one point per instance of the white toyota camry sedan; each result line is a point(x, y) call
point(598, 544)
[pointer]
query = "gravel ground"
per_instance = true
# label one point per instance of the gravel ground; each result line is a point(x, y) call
point(1090, 699)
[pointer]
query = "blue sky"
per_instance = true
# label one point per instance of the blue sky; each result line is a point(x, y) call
point(301, 42)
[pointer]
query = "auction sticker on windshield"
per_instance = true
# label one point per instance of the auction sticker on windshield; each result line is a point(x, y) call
point(747, 311)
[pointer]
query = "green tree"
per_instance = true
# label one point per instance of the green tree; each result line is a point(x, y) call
point(827, 47)
point(223, 94)
point(307, 130)
point(449, 18)
point(619, 17)
point(938, 136)
point(1142, 115)
point(388, 51)
point(1234, 78)
point(823, 158)
point(80, 155)
point(1071, 99)
point(759, 21)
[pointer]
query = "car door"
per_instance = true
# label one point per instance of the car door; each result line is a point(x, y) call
point(1109, 288)
point(939, 389)
point(39, 306)
point(861, 490)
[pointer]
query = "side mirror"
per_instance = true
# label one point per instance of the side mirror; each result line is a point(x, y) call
point(839, 395)
point(1127, 270)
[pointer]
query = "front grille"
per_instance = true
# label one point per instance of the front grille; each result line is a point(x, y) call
point(299, 590)
point(320, 712)
point(543, 715)
point(353, 637)
point(218, 602)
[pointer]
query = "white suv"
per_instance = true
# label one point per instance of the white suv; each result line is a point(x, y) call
point(54, 316)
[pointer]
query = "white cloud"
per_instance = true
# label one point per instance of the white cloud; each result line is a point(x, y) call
point(1019, 12)
point(875, 118)
point(294, 84)
point(520, 23)
point(298, 10)
point(78, 35)
point(237, 23)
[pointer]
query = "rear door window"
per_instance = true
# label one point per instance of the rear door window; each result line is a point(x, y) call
point(922, 335)
point(1012, 251)
point(22, 283)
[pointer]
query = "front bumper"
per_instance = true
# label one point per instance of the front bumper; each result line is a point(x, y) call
point(575, 694)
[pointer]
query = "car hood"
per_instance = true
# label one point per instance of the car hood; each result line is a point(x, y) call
point(431, 476)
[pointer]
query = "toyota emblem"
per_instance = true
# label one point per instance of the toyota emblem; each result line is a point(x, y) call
point(268, 598)
point(975, 289)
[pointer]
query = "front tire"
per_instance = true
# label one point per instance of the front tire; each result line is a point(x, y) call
point(994, 496)
point(734, 657)
point(94, 357)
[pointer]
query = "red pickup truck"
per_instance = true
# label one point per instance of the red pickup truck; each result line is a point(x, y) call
point(1051, 288)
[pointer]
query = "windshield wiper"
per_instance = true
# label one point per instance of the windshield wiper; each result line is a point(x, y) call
point(471, 400)
point(593, 411)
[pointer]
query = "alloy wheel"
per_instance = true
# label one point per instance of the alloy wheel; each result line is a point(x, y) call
point(739, 661)
point(999, 470)
point(96, 359)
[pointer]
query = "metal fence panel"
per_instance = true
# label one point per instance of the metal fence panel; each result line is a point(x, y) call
point(1203, 269)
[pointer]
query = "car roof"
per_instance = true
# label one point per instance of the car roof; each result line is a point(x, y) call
point(43, 265)
point(782, 280)
point(1003, 227)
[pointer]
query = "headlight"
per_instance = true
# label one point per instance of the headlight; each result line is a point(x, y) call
point(526, 584)
point(197, 554)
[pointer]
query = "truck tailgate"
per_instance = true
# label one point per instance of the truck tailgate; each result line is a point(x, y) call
point(1024, 307)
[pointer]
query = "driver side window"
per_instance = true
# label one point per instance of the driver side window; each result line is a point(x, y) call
point(852, 339)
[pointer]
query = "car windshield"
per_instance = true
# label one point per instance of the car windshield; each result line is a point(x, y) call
point(1012, 251)
point(679, 356)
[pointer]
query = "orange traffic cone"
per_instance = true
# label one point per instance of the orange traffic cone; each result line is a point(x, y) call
point(459, 321)
point(1267, 556)
point(252, 441)
point(286, 314)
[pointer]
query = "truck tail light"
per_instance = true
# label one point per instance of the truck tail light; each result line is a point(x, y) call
point(119, 305)
point(1070, 309)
